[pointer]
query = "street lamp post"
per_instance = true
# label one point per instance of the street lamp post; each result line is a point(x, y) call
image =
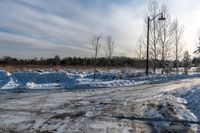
point(148, 26)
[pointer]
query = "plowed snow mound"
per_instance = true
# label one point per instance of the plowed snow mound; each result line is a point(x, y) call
point(12, 84)
point(79, 80)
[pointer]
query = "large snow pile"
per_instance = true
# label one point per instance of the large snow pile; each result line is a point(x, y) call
point(170, 108)
point(192, 96)
point(79, 79)
point(11, 84)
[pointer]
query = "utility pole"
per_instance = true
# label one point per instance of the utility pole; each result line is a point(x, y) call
point(148, 26)
point(147, 58)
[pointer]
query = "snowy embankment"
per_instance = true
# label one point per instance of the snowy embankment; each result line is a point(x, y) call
point(78, 80)
point(192, 98)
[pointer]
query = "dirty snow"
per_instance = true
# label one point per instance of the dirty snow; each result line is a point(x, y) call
point(158, 103)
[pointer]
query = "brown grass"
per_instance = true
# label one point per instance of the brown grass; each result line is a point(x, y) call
point(11, 68)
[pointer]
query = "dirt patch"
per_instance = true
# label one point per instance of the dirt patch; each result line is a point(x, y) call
point(70, 115)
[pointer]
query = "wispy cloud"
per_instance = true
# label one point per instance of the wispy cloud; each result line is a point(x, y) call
point(66, 27)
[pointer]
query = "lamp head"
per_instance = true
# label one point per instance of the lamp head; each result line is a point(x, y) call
point(162, 18)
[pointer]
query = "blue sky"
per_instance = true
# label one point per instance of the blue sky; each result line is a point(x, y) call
point(45, 28)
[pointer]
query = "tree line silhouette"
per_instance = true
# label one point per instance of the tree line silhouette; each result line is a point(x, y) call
point(86, 61)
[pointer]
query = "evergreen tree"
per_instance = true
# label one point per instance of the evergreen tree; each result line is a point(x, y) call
point(186, 62)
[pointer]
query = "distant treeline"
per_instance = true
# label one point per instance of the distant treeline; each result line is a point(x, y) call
point(78, 61)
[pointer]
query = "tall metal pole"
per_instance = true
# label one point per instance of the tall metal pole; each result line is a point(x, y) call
point(147, 58)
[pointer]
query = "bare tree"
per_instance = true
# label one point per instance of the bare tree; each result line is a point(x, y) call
point(153, 10)
point(177, 33)
point(165, 38)
point(96, 47)
point(140, 51)
point(109, 47)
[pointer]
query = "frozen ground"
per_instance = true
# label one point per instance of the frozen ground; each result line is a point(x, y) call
point(118, 104)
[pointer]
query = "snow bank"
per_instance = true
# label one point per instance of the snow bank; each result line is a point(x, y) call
point(12, 84)
point(173, 108)
point(79, 79)
point(192, 96)
point(32, 85)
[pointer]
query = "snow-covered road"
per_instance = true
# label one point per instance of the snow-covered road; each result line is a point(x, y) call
point(95, 110)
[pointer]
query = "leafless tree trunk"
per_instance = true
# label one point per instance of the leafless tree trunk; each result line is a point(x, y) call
point(109, 48)
point(96, 47)
point(153, 10)
point(140, 51)
point(165, 38)
point(177, 32)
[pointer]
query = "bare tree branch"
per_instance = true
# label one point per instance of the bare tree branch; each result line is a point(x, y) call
point(96, 45)
point(152, 11)
point(109, 50)
point(140, 51)
point(177, 33)
point(165, 37)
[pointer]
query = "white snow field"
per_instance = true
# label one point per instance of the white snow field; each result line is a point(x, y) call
point(117, 102)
